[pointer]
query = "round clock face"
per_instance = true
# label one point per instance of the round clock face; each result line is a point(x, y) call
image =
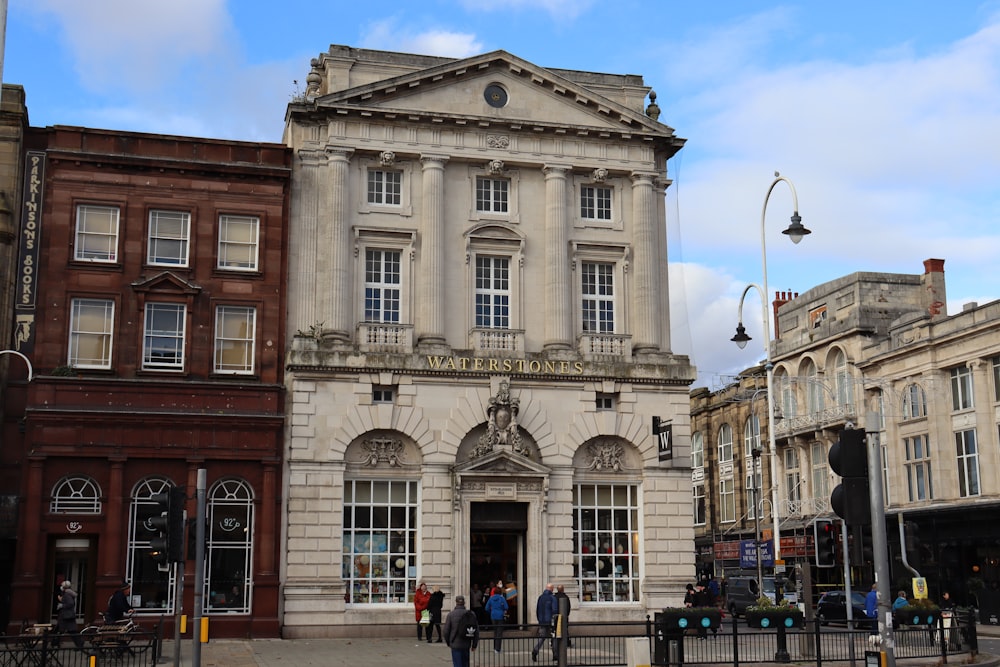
point(495, 95)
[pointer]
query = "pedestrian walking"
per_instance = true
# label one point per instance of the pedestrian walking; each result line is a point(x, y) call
point(496, 608)
point(546, 609)
point(560, 596)
point(66, 617)
point(461, 633)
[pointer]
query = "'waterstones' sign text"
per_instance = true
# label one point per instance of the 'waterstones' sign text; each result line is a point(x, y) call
point(442, 363)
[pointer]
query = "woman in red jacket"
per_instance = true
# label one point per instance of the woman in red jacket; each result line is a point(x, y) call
point(420, 600)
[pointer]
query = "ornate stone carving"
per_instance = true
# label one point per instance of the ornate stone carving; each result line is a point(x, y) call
point(382, 450)
point(501, 141)
point(387, 158)
point(495, 167)
point(599, 175)
point(501, 425)
point(606, 455)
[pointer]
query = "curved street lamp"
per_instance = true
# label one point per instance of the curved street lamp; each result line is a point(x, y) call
point(24, 358)
point(795, 232)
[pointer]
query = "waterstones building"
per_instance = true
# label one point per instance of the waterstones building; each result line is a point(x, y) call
point(479, 326)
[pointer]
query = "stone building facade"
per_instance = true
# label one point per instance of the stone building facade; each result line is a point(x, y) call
point(881, 352)
point(479, 322)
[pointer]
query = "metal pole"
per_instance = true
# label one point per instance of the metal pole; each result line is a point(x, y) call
point(757, 507)
point(880, 548)
point(178, 607)
point(199, 570)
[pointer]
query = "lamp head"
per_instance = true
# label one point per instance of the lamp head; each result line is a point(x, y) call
point(741, 338)
point(795, 230)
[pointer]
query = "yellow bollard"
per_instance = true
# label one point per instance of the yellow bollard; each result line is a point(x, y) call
point(184, 623)
point(204, 630)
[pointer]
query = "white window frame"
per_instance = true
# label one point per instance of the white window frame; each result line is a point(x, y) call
point(156, 312)
point(919, 471)
point(93, 245)
point(386, 287)
point(405, 169)
point(698, 507)
point(241, 341)
point(753, 482)
point(697, 449)
point(385, 240)
point(967, 454)
point(727, 500)
point(512, 214)
point(491, 296)
point(580, 184)
point(249, 249)
point(793, 477)
point(384, 187)
point(229, 541)
point(168, 229)
point(962, 391)
point(79, 494)
point(815, 396)
point(597, 203)
point(725, 443)
point(843, 380)
point(157, 589)
point(914, 402)
point(597, 295)
point(102, 338)
point(818, 455)
point(607, 522)
point(368, 546)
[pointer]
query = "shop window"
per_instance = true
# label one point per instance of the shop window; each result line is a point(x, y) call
point(229, 548)
point(76, 495)
point(606, 542)
point(152, 590)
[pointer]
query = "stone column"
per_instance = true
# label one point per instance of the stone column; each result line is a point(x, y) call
point(333, 283)
point(429, 316)
point(646, 267)
point(558, 292)
point(302, 242)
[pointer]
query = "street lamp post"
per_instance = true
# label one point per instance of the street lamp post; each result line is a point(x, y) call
point(795, 232)
point(23, 358)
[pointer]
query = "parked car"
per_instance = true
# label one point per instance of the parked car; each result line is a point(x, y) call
point(832, 606)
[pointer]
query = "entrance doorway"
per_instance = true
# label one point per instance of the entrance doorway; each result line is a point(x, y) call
point(71, 559)
point(497, 550)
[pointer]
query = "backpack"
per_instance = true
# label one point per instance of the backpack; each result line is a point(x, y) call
point(471, 626)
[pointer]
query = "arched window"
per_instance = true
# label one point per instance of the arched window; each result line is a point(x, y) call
point(152, 590)
point(697, 450)
point(725, 443)
point(843, 379)
point(814, 388)
point(914, 402)
point(76, 495)
point(786, 395)
point(229, 548)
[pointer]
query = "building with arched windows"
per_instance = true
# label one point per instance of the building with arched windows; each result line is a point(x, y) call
point(151, 305)
point(479, 330)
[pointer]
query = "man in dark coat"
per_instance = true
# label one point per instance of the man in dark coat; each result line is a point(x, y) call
point(434, 606)
point(456, 634)
point(546, 609)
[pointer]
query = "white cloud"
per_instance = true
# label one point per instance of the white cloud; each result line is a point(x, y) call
point(388, 35)
point(142, 46)
point(558, 9)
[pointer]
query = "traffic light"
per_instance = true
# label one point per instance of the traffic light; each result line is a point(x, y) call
point(168, 546)
point(825, 542)
point(849, 459)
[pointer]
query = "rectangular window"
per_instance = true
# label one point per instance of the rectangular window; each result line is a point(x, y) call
point(918, 468)
point(697, 450)
point(727, 501)
point(725, 443)
point(492, 292)
point(385, 187)
point(91, 328)
point(820, 470)
point(239, 236)
point(163, 340)
point(605, 401)
point(382, 394)
point(995, 361)
point(793, 478)
point(595, 203)
point(961, 388)
point(168, 238)
point(382, 285)
point(380, 536)
point(752, 484)
point(968, 463)
point(96, 234)
point(606, 541)
point(235, 332)
point(698, 501)
point(492, 195)
point(598, 291)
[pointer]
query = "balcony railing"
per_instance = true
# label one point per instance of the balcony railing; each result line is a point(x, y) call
point(792, 424)
point(385, 337)
point(605, 346)
point(497, 340)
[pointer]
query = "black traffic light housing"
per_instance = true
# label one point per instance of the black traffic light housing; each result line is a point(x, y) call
point(168, 546)
point(849, 458)
point(825, 542)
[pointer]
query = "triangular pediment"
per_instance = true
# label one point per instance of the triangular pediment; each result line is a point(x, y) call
point(166, 283)
point(502, 462)
point(537, 98)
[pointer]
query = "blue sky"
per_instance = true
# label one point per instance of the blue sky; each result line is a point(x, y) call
point(884, 115)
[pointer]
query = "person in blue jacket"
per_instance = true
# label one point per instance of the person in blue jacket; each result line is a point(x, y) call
point(497, 608)
point(546, 609)
point(871, 608)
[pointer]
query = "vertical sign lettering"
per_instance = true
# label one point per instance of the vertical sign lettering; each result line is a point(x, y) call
point(31, 227)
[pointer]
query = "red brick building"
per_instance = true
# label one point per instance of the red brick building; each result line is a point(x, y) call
point(150, 301)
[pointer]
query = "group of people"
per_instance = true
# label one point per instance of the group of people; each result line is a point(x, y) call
point(119, 607)
point(704, 593)
point(461, 627)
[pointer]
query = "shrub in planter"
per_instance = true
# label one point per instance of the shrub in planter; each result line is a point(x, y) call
point(765, 614)
point(921, 612)
point(690, 618)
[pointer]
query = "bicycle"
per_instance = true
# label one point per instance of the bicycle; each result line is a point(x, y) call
point(111, 640)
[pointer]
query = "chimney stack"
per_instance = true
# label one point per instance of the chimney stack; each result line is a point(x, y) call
point(935, 296)
point(780, 299)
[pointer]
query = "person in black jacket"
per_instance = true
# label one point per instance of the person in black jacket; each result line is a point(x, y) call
point(457, 635)
point(119, 605)
point(434, 606)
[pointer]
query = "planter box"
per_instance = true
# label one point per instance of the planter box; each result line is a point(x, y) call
point(690, 619)
point(913, 616)
point(774, 618)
